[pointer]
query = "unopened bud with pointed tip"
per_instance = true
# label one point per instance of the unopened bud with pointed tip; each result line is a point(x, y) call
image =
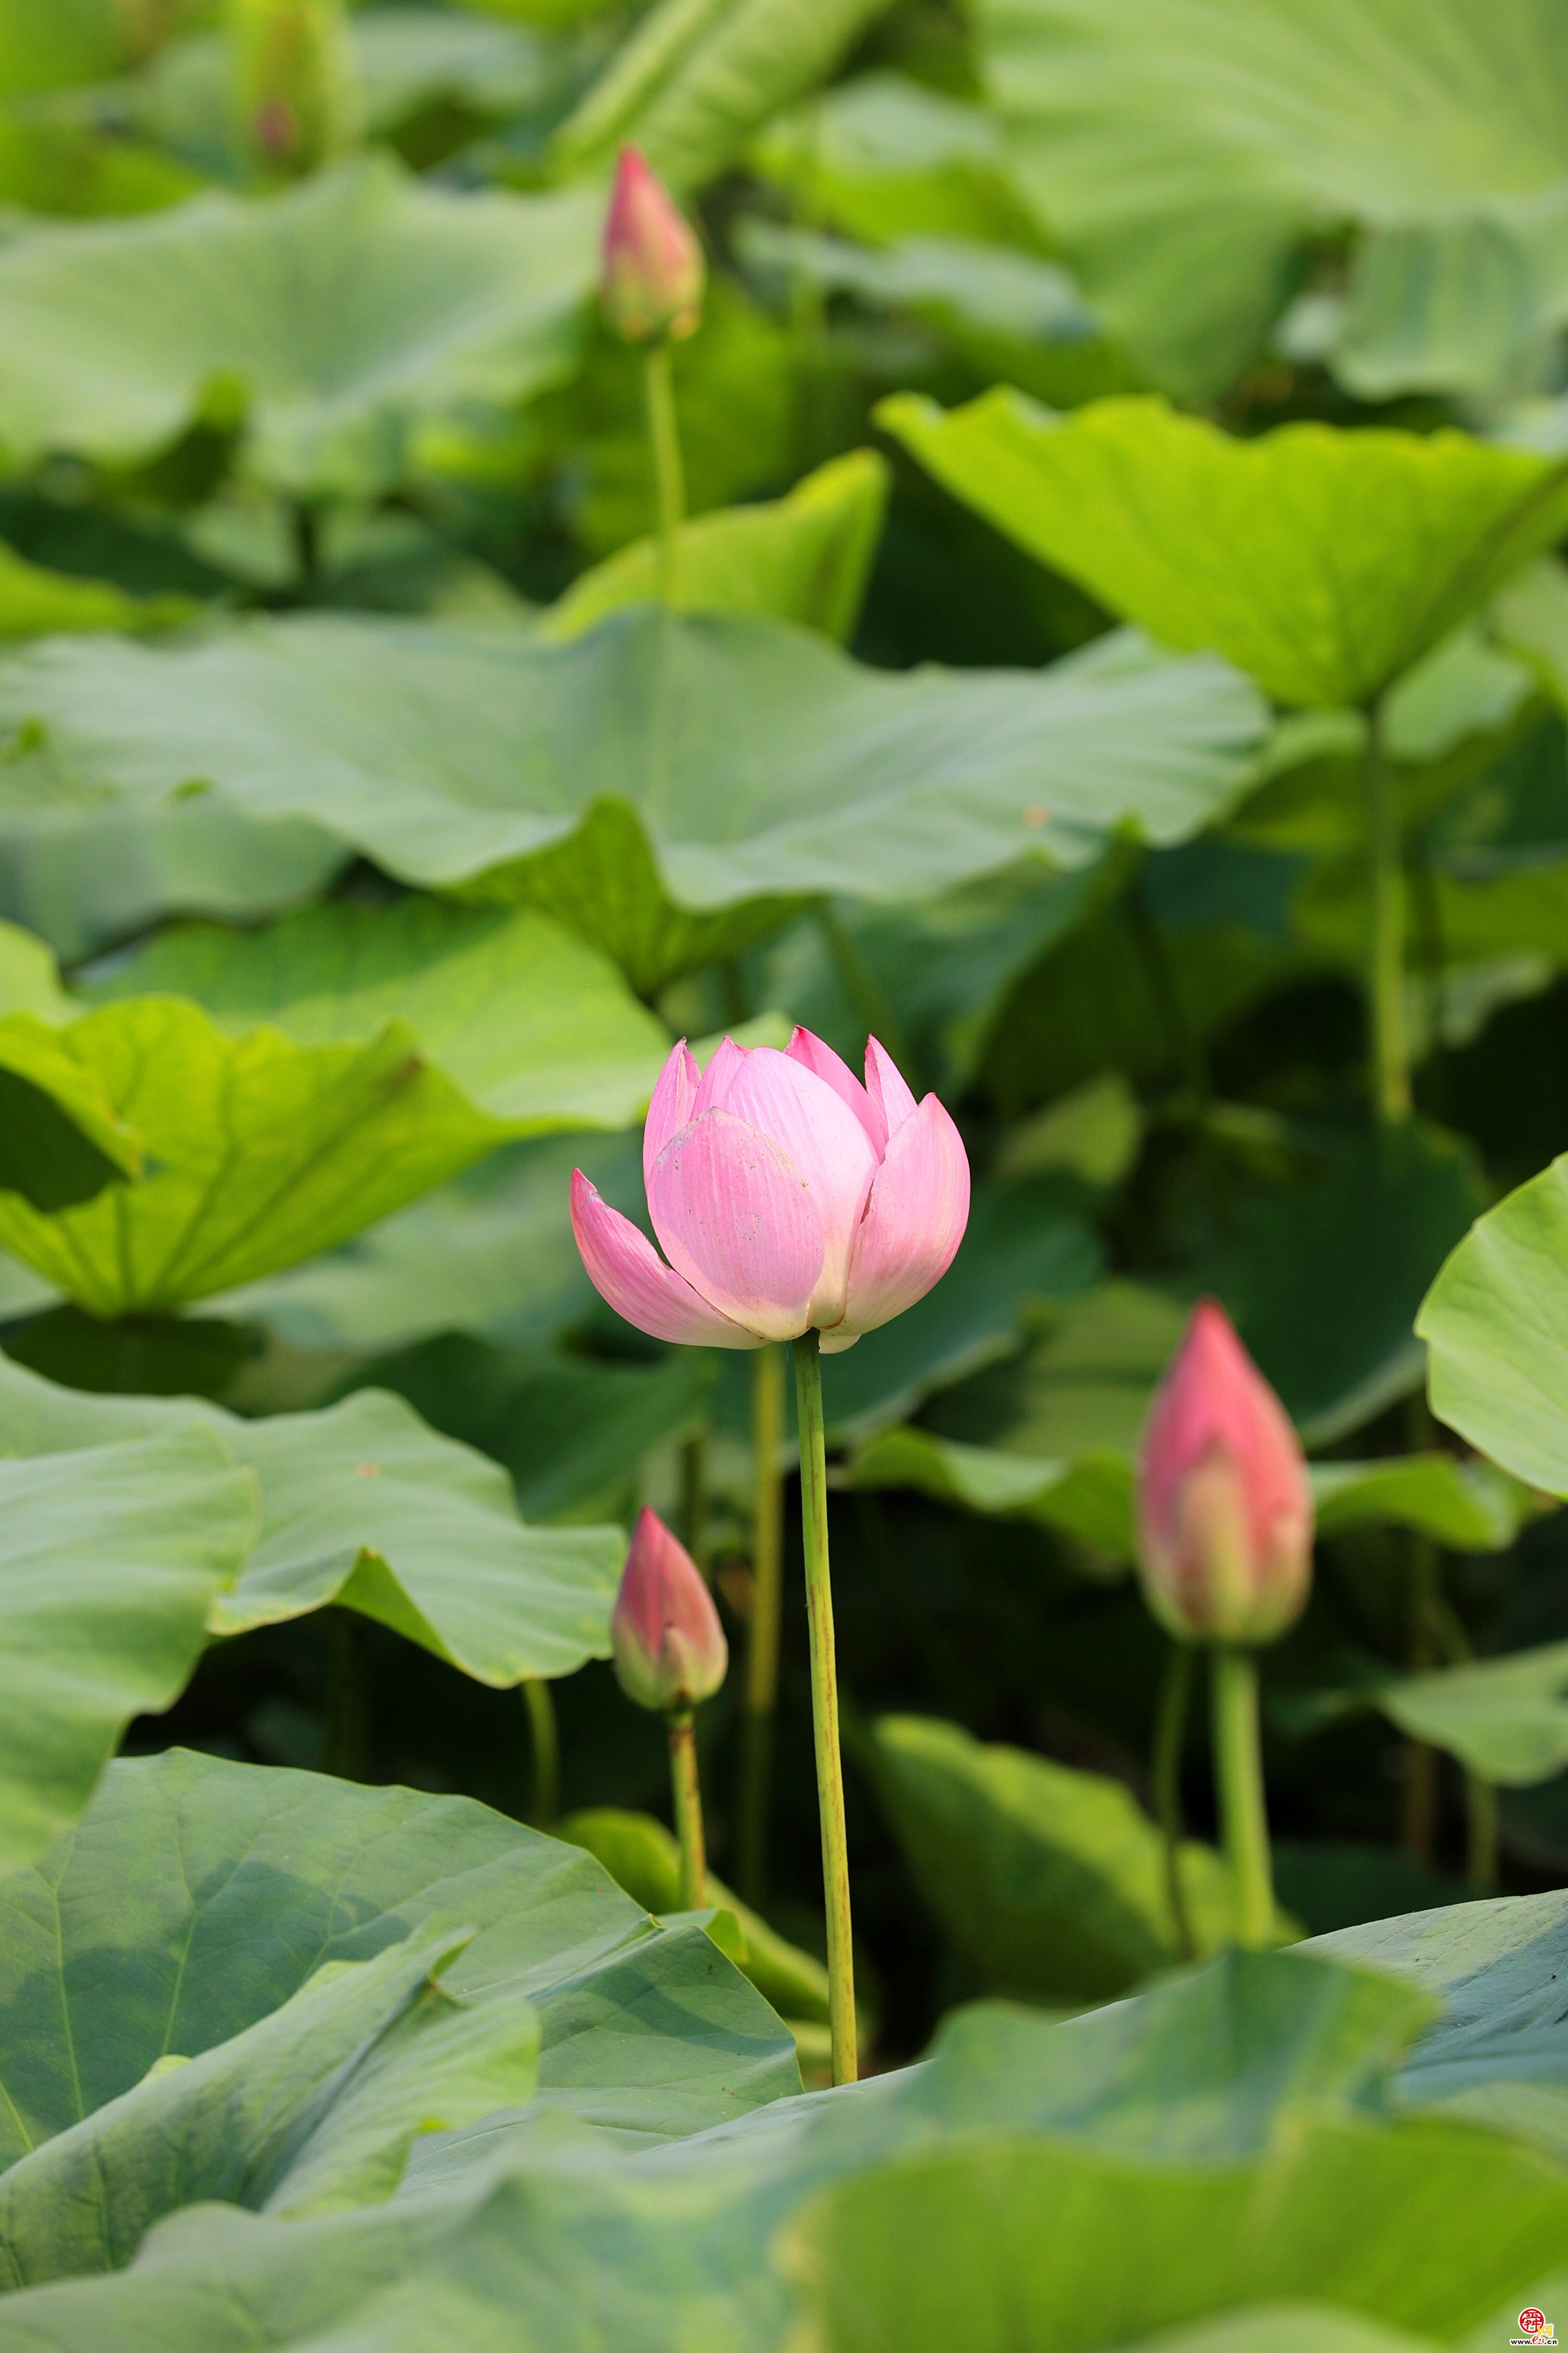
point(652, 280)
point(295, 90)
point(669, 1648)
point(1224, 1510)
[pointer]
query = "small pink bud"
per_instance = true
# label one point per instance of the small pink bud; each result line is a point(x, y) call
point(1225, 1511)
point(651, 284)
point(669, 1646)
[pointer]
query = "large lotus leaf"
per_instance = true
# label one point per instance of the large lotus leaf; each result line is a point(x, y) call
point(491, 1253)
point(668, 785)
point(1322, 561)
point(883, 158)
point(575, 2244)
point(364, 1506)
point(1462, 305)
point(85, 877)
point(79, 40)
point(49, 164)
point(61, 1138)
point(343, 316)
point(197, 1896)
point(1493, 1323)
point(805, 558)
point(111, 1558)
point(270, 1140)
point(1184, 149)
point(948, 2247)
point(36, 602)
point(698, 78)
point(572, 1430)
point(1051, 1883)
point(313, 2107)
point(1505, 1719)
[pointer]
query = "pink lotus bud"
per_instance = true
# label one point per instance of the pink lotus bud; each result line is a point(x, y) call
point(651, 284)
point(783, 1194)
point(669, 1646)
point(1225, 1511)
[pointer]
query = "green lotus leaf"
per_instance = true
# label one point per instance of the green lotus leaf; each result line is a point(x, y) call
point(1491, 1320)
point(693, 85)
point(670, 786)
point(364, 1506)
point(1322, 562)
point(1185, 151)
point(420, 304)
point(314, 2107)
point(111, 1558)
point(805, 558)
point(1050, 1882)
point(196, 1898)
point(353, 1059)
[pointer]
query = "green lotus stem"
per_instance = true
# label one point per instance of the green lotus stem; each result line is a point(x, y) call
point(1390, 1041)
point(687, 1790)
point(824, 1706)
point(345, 1748)
point(1239, 1782)
point(670, 481)
point(540, 1707)
point(694, 1498)
point(762, 1630)
point(1481, 1832)
point(1170, 1733)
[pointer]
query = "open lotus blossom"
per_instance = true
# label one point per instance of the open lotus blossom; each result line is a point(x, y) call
point(669, 1648)
point(785, 1195)
point(1224, 1510)
point(652, 276)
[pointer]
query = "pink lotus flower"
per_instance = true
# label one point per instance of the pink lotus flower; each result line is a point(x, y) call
point(669, 1648)
point(652, 279)
point(785, 1194)
point(1225, 1510)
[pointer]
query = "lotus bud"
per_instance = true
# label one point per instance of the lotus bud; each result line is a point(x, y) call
point(1224, 1510)
point(295, 95)
point(652, 279)
point(669, 1648)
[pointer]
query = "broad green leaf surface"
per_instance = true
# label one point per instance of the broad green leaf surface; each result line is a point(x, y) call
point(1494, 1325)
point(81, 40)
point(669, 787)
point(948, 2247)
point(1050, 1882)
point(698, 78)
point(364, 1506)
point(340, 318)
point(1505, 1719)
point(313, 2107)
point(61, 1138)
point(365, 1056)
point(492, 1253)
point(534, 1028)
point(1322, 562)
point(1228, 2067)
point(572, 1430)
point(883, 159)
point(642, 1856)
point(110, 1559)
point(1184, 150)
point(805, 558)
point(49, 164)
point(197, 1896)
point(34, 603)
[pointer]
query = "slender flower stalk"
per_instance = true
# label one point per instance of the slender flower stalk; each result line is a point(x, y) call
point(687, 1793)
point(546, 1742)
point(1238, 1776)
point(669, 474)
point(1386, 948)
point(824, 1707)
point(651, 288)
point(762, 1629)
point(1170, 1734)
